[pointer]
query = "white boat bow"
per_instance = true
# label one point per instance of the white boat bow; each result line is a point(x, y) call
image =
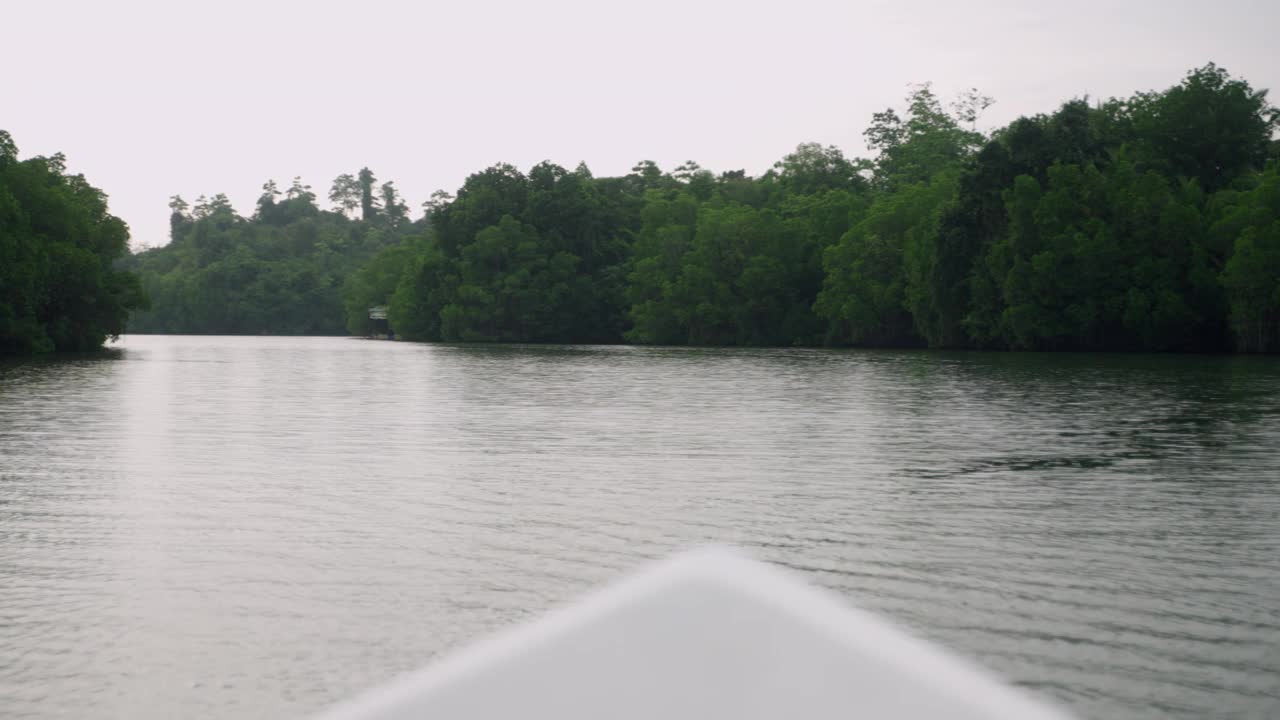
point(707, 634)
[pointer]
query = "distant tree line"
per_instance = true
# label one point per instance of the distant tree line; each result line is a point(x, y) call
point(280, 271)
point(59, 289)
point(1144, 223)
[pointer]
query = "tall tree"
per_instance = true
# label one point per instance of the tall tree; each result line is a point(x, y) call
point(59, 288)
point(267, 200)
point(368, 201)
point(393, 206)
point(345, 193)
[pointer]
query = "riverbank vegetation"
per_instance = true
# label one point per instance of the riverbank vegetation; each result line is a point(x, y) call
point(59, 289)
point(1143, 223)
point(280, 271)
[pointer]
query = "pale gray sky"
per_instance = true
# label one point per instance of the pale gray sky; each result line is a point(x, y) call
point(149, 99)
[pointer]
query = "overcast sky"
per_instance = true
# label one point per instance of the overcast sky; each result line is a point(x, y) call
point(149, 99)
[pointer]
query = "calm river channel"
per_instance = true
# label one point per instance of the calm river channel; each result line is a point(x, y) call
point(217, 527)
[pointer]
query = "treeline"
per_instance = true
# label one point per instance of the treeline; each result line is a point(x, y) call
point(59, 290)
point(1143, 223)
point(278, 272)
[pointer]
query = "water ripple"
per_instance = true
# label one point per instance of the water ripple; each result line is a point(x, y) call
point(256, 527)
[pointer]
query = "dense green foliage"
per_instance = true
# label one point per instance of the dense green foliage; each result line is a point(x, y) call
point(1248, 231)
point(281, 271)
point(1147, 223)
point(1144, 223)
point(59, 289)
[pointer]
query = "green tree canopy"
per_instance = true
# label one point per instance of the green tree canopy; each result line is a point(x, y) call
point(1138, 223)
point(59, 287)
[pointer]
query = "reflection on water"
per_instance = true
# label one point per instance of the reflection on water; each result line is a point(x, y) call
point(255, 527)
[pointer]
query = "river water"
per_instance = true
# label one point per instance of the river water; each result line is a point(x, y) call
point(210, 527)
